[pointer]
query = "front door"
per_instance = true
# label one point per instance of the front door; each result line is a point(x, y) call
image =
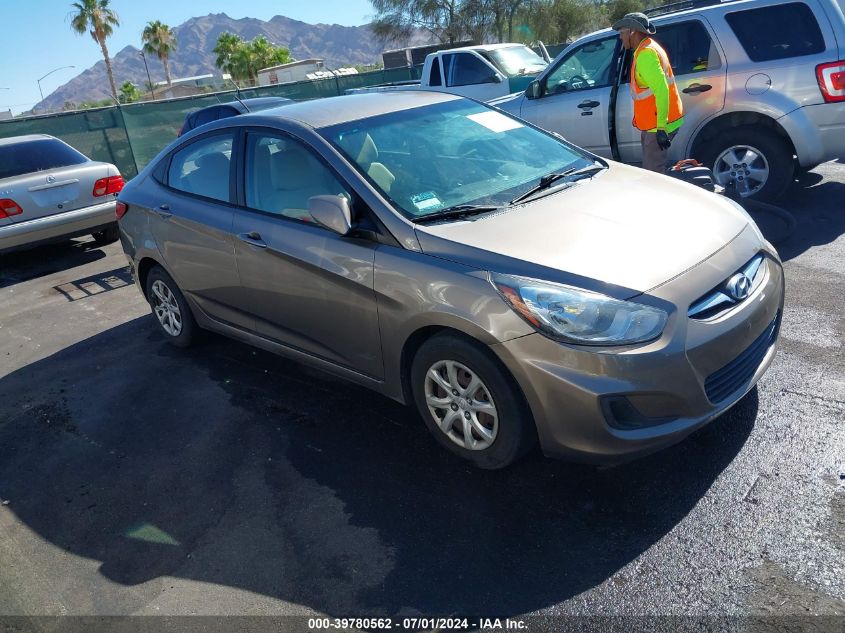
point(700, 74)
point(307, 287)
point(575, 96)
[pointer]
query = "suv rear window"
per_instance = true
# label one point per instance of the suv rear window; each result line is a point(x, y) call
point(36, 155)
point(777, 32)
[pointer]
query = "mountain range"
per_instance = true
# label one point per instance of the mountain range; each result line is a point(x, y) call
point(196, 38)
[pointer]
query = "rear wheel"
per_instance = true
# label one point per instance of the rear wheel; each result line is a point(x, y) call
point(107, 235)
point(758, 160)
point(170, 308)
point(470, 403)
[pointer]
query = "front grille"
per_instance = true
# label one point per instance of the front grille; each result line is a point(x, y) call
point(725, 381)
point(720, 300)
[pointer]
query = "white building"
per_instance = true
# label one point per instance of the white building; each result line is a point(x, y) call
point(299, 71)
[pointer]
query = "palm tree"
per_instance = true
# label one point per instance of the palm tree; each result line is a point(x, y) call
point(159, 40)
point(225, 48)
point(101, 20)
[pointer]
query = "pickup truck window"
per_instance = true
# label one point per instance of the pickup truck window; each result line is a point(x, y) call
point(689, 46)
point(515, 61)
point(465, 69)
point(434, 79)
point(588, 66)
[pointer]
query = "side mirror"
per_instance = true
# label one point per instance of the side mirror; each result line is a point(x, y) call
point(534, 90)
point(332, 212)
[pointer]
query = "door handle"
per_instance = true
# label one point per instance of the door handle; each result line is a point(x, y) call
point(586, 105)
point(164, 211)
point(696, 88)
point(253, 238)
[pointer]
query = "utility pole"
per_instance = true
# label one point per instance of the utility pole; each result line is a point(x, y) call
point(149, 81)
point(48, 74)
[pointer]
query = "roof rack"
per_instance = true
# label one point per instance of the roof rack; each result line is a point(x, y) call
point(674, 7)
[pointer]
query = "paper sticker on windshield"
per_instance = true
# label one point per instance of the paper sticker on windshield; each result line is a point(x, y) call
point(426, 201)
point(495, 121)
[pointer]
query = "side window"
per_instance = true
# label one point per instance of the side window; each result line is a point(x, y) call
point(282, 174)
point(588, 66)
point(777, 32)
point(202, 168)
point(434, 80)
point(689, 47)
point(464, 69)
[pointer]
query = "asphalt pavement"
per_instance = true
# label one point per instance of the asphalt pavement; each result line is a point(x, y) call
point(137, 478)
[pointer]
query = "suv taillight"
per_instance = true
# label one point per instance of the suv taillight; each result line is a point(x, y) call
point(105, 186)
point(9, 207)
point(120, 209)
point(832, 81)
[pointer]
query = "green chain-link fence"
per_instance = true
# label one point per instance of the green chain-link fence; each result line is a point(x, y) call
point(131, 135)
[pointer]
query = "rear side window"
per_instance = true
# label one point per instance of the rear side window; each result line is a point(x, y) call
point(203, 168)
point(37, 155)
point(434, 80)
point(689, 47)
point(777, 32)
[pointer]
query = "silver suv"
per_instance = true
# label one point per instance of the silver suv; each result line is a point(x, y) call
point(762, 81)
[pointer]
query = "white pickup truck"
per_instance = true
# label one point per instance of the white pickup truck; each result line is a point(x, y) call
point(481, 72)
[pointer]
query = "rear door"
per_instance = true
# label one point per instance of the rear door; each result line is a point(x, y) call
point(575, 95)
point(307, 287)
point(700, 72)
point(45, 177)
point(192, 226)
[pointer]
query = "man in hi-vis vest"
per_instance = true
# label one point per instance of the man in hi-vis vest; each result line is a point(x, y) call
point(658, 111)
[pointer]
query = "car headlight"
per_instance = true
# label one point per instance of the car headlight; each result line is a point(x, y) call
point(579, 316)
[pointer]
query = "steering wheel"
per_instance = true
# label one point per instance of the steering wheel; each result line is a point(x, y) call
point(575, 80)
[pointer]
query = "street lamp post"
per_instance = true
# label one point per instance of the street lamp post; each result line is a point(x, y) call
point(48, 74)
point(149, 81)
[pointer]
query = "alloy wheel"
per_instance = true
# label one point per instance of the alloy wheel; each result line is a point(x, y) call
point(461, 405)
point(745, 165)
point(166, 308)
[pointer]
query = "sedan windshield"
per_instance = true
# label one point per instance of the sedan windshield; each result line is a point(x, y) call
point(517, 60)
point(441, 156)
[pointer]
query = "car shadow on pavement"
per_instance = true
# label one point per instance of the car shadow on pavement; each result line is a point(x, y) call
point(45, 260)
point(228, 465)
point(818, 211)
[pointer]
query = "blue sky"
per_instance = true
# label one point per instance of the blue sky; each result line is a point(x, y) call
point(37, 36)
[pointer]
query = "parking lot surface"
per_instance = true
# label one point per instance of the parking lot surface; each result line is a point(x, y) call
point(136, 478)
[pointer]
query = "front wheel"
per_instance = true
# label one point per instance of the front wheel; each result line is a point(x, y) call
point(757, 160)
point(470, 403)
point(171, 310)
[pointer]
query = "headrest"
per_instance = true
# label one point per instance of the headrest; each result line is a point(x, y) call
point(295, 168)
point(361, 147)
point(213, 162)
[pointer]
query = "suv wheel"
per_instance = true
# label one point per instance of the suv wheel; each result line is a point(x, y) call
point(470, 403)
point(170, 309)
point(755, 158)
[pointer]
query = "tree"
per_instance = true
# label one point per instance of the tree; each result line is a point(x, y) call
point(129, 92)
point(242, 60)
point(618, 8)
point(227, 44)
point(160, 41)
point(101, 20)
point(397, 19)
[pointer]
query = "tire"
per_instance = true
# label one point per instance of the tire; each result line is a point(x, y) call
point(510, 431)
point(170, 309)
point(107, 235)
point(769, 152)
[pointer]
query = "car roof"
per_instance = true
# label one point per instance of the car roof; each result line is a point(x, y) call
point(320, 113)
point(485, 47)
point(11, 140)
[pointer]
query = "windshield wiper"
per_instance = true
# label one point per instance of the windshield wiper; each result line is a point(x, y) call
point(458, 211)
point(549, 179)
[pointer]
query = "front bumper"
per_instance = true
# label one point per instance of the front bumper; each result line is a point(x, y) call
point(573, 391)
point(66, 224)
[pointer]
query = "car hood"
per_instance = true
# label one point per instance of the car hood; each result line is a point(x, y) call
point(627, 227)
